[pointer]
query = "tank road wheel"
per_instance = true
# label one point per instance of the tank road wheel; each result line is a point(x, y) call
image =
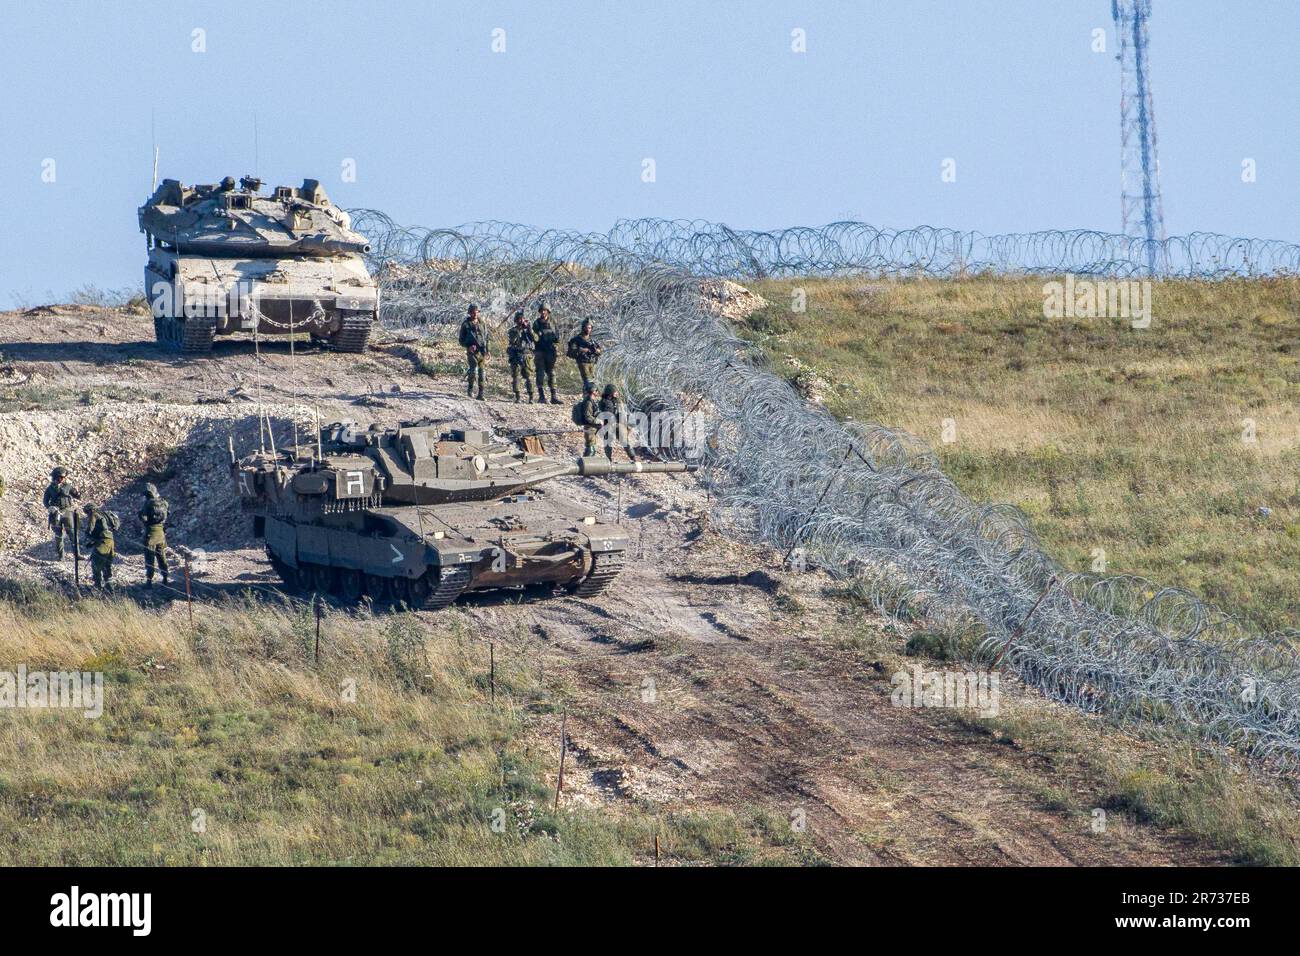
point(353, 333)
point(379, 589)
point(604, 569)
point(318, 578)
point(410, 593)
point(350, 585)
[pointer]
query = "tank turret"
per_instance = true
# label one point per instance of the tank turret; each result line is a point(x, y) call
point(421, 513)
point(224, 258)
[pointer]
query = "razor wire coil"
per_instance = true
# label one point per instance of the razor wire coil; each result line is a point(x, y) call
point(866, 502)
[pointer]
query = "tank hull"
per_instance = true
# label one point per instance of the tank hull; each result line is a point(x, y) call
point(426, 557)
point(196, 300)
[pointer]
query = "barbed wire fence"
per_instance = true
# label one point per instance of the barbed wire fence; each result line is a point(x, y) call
point(868, 503)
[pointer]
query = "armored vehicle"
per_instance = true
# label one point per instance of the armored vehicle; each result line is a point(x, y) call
point(226, 259)
point(419, 514)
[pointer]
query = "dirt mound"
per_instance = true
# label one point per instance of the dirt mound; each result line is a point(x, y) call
point(112, 450)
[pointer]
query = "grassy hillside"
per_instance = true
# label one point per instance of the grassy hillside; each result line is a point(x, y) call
point(1135, 443)
point(232, 726)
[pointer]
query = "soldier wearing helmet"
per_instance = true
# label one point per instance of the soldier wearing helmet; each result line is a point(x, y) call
point(522, 346)
point(547, 349)
point(100, 525)
point(58, 500)
point(153, 515)
point(474, 339)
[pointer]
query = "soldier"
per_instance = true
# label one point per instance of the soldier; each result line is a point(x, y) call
point(583, 350)
point(154, 516)
point(59, 495)
point(547, 342)
point(474, 337)
point(522, 345)
point(99, 529)
point(614, 416)
point(587, 414)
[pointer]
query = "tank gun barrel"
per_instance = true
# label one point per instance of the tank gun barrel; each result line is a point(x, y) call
point(595, 466)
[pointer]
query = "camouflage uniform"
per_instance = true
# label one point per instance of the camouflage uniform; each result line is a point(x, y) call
point(587, 413)
point(522, 344)
point(59, 495)
point(154, 517)
point(614, 414)
point(474, 337)
point(547, 341)
point(583, 350)
point(100, 532)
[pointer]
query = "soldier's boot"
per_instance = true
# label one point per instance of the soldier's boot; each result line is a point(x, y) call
point(554, 399)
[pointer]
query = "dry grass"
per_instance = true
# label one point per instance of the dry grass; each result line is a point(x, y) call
point(1111, 439)
point(1129, 441)
point(233, 724)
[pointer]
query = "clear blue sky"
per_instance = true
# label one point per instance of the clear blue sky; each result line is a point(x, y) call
point(553, 131)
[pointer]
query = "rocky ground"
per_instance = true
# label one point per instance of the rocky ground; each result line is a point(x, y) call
point(708, 676)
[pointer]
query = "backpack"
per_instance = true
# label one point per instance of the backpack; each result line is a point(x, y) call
point(578, 414)
point(111, 519)
point(572, 351)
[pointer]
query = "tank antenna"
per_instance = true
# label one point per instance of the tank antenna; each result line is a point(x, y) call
point(320, 452)
point(155, 171)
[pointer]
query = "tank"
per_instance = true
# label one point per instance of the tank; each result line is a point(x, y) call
point(227, 259)
point(419, 514)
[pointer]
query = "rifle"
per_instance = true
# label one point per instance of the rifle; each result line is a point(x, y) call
point(76, 548)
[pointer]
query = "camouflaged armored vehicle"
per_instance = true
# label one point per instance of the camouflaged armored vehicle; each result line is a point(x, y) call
point(226, 259)
point(419, 514)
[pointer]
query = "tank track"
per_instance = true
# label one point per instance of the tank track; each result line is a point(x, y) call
point(604, 569)
point(451, 582)
point(193, 335)
point(353, 333)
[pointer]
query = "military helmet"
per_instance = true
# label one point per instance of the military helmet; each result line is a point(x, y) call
point(228, 183)
point(150, 490)
point(591, 389)
point(59, 472)
point(609, 391)
point(541, 307)
point(473, 307)
point(519, 314)
point(586, 324)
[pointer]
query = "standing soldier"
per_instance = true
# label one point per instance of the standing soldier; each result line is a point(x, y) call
point(522, 345)
point(614, 416)
point(154, 516)
point(59, 495)
point(583, 350)
point(547, 341)
point(99, 529)
point(474, 337)
point(587, 414)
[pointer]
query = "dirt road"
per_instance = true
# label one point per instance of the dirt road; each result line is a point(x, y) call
point(709, 677)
